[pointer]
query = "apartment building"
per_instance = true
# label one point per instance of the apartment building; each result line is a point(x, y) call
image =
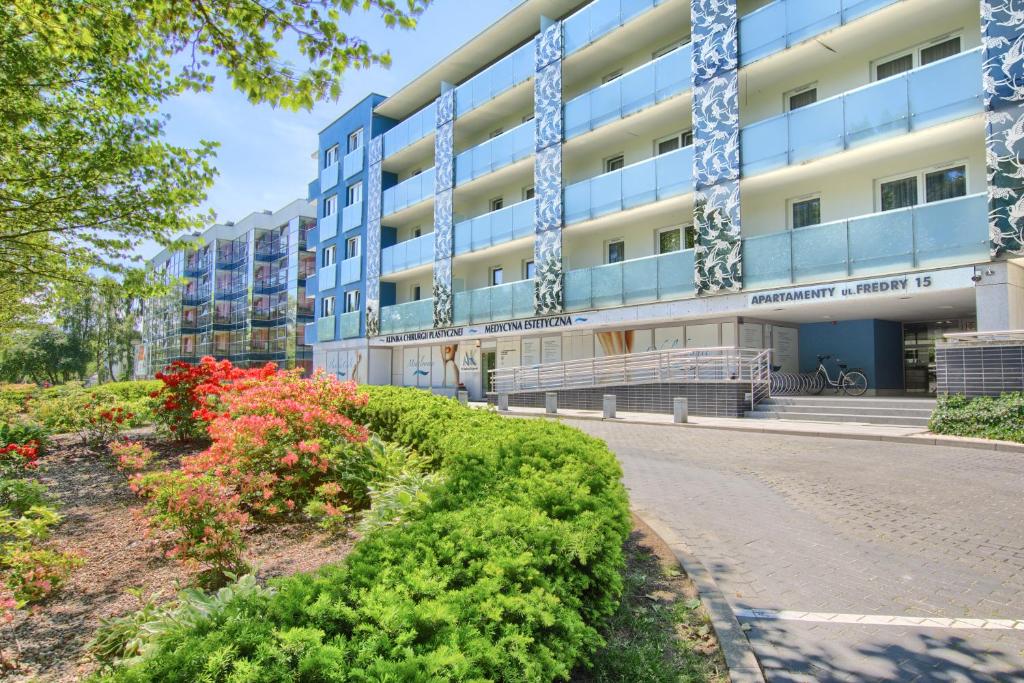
point(238, 292)
point(588, 180)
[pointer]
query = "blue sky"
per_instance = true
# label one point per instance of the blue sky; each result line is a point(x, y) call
point(264, 157)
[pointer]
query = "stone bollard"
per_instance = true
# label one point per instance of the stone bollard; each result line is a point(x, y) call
point(551, 402)
point(503, 402)
point(680, 410)
point(464, 397)
point(609, 406)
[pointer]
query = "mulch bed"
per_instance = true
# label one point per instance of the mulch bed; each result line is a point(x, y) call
point(103, 522)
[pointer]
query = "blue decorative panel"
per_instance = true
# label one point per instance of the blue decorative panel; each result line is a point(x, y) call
point(446, 107)
point(716, 155)
point(444, 227)
point(548, 296)
point(444, 157)
point(1003, 38)
point(373, 217)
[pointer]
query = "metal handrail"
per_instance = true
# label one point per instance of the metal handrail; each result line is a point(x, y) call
point(717, 364)
point(983, 337)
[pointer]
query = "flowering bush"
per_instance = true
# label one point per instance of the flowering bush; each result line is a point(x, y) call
point(21, 444)
point(32, 572)
point(183, 410)
point(104, 422)
point(130, 456)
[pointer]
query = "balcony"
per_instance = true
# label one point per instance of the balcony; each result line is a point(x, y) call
point(309, 334)
point(494, 228)
point(270, 285)
point(408, 254)
point(329, 177)
point(651, 180)
point(407, 317)
point(325, 328)
point(270, 249)
point(351, 216)
point(655, 278)
point(409, 192)
point(785, 23)
point(412, 130)
point(351, 270)
point(501, 76)
point(352, 163)
point(502, 302)
point(494, 154)
point(327, 227)
point(598, 19)
point(938, 93)
point(946, 233)
point(327, 278)
point(653, 83)
point(349, 325)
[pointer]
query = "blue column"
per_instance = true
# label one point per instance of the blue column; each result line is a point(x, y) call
point(716, 147)
point(444, 182)
point(374, 180)
point(1002, 33)
point(547, 247)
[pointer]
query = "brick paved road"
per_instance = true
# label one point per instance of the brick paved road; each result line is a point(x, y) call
point(831, 525)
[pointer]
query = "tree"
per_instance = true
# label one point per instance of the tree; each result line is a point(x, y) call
point(85, 172)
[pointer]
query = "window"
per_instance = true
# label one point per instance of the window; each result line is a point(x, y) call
point(355, 140)
point(529, 192)
point(615, 250)
point(527, 117)
point(331, 156)
point(529, 269)
point(614, 163)
point(352, 301)
point(416, 293)
point(496, 132)
point(921, 55)
point(352, 247)
point(497, 276)
point(801, 97)
point(673, 142)
point(939, 183)
point(497, 203)
point(327, 306)
point(330, 205)
point(899, 194)
point(329, 256)
point(661, 52)
point(947, 183)
point(668, 240)
point(805, 211)
point(689, 237)
point(355, 193)
point(416, 232)
point(608, 78)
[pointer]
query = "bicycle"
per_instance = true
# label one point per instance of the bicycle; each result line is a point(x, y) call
point(850, 382)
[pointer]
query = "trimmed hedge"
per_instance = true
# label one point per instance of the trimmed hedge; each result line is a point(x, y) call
point(505, 574)
point(985, 417)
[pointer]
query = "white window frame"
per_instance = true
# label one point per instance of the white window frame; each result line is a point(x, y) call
point(786, 97)
point(331, 156)
point(416, 232)
point(661, 52)
point(660, 231)
point(352, 244)
point(490, 276)
point(613, 157)
point(415, 292)
point(352, 301)
point(330, 205)
point(526, 266)
point(329, 256)
point(353, 189)
point(527, 190)
point(608, 243)
point(497, 132)
point(915, 52)
point(491, 204)
point(792, 201)
point(677, 135)
point(355, 140)
point(528, 117)
point(328, 303)
point(612, 76)
point(919, 174)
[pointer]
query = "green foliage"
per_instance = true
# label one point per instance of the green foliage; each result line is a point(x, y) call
point(504, 573)
point(63, 409)
point(31, 571)
point(22, 432)
point(18, 495)
point(985, 417)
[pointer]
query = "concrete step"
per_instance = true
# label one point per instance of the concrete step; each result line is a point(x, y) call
point(839, 409)
point(852, 402)
point(767, 414)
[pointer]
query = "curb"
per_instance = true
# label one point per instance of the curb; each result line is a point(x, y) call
point(927, 440)
point(739, 655)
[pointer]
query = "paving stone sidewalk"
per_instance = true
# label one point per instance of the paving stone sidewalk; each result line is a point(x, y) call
point(819, 525)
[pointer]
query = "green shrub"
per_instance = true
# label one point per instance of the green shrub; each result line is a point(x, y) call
point(503, 573)
point(68, 408)
point(985, 417)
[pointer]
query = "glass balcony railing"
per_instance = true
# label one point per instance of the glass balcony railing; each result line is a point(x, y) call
point(407, 317)
point(950, 232)
point(784, 23)
point(329, 176)
point(352, 163)
point(496, 227)
point(351, 270)
point(496, 153)
point(327, 278)
point(651, 180)
point(349, 325)
point(502, 302)
point(408, 254)
point(327, 227)
point(409, 192)
point(351, 216)
point(598, 19)
point(325, 328)
point(944, 91)
point(654, 82)
point(655, 278)
point(503, 75)
point(413, 129)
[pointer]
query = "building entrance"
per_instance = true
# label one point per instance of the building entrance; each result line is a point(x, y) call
point(919, 374)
